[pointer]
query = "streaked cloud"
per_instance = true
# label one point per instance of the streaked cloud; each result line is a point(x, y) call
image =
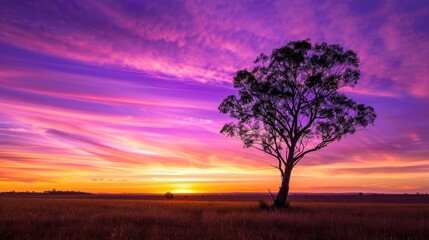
point(209, 41)
point(95, 94)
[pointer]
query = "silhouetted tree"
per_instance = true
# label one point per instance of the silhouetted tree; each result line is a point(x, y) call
point(288, 105)
point(169, 195)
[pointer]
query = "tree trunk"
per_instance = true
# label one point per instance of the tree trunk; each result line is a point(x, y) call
point(282, 195)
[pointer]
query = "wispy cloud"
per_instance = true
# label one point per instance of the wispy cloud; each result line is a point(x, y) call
point(210, 41)
point(129, 90)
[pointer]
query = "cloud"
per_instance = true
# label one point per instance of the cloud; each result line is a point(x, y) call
point(130, 89)
point(210, 41)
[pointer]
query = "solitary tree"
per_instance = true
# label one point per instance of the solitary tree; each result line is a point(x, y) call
point(168, 195)
point(288, 105)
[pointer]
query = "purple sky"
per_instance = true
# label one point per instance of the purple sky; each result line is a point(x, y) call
point(121, 96)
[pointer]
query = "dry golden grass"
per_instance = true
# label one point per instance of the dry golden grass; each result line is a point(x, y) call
point(142, 219)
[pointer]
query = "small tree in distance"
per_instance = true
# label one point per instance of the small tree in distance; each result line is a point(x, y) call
point(288, 105)
point(168, 195)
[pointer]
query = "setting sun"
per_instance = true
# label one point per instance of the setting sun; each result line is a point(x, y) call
point(183, 188)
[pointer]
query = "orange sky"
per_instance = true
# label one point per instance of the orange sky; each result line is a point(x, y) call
point(123, 96)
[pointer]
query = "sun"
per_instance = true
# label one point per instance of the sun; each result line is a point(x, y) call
point(183, 188)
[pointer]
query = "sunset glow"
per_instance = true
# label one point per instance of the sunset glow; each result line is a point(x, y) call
point(122, 96)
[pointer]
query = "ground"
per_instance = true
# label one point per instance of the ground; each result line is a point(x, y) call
point(188, 218)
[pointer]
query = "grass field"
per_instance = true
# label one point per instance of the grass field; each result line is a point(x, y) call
point(31, 218)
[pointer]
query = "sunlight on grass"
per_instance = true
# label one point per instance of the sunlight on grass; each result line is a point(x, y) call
point(151, 219)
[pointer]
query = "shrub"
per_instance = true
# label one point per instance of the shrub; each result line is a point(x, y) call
point(169, 195)
point(263, 204)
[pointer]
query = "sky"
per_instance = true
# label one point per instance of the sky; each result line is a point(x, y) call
point(122, 96)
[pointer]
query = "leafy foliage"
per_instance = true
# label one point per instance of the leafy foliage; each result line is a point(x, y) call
point(288, 105)
point(168, 195)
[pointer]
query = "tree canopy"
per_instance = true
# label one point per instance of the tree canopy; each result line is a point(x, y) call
point(289, 105)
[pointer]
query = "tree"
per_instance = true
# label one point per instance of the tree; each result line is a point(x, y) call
point(168, 195)
point(289, 105)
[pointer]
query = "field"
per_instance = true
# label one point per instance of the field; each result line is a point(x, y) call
point(66, 218)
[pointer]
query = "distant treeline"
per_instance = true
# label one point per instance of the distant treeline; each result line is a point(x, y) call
point(47, 192)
